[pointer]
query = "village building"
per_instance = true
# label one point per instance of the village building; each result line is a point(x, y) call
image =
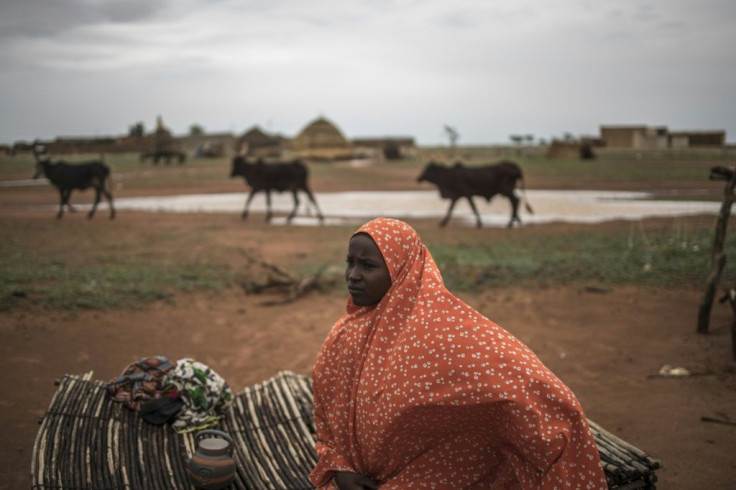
point(391, 148)
point(659, 137)
point(321, 140)
point(211, 145)
point(697, 139)
point(162, 139)
point(256, 142)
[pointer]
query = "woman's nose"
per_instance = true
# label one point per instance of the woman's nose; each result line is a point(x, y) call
point(354, 274)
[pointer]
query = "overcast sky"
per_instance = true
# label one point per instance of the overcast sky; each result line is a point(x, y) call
point(374, 67)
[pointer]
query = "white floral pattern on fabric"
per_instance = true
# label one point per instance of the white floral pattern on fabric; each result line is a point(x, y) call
point(204, 394)
point(422, 391)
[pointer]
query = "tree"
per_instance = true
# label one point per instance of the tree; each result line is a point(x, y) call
point(516, 138)
point(452, 135)
point(196, 130)
point(137, 129)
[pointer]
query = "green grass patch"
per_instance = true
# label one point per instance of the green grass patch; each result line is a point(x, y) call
point(105, 284)
point(662, 257)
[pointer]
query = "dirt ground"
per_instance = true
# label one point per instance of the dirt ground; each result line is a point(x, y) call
point(607, 346)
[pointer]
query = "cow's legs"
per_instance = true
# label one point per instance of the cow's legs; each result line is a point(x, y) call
point(108, 196)
point(514, 209)
point(314, 201)
point(478, 224)
point(268, 206)
point(247, 203)
point(296, 205)
point(63, 200)
point(449, 212)
point(97, 201)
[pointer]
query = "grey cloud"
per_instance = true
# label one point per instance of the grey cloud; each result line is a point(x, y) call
point(646, 13)
point(40, 18)
point(456, 21)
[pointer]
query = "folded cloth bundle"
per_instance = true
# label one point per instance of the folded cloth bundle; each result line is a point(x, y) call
point(204, 394)
point(140, 381)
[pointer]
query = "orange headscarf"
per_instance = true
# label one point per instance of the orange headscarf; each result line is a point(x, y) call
point(422, 391)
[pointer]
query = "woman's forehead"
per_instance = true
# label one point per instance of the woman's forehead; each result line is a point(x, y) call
point(362, 243)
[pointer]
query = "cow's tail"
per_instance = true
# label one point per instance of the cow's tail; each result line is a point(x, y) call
point(523, 192)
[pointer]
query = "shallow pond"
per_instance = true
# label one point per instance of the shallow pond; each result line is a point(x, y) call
point(356, 207)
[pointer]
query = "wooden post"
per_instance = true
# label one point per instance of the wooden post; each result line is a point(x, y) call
point(718, 258)
point(730, 296)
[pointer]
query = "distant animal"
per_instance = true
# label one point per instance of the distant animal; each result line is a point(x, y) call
point(165, 155)
point(460, 181)
point(69, 176)
point(281, 176)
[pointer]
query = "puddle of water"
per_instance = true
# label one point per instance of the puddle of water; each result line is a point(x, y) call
point(24, 182)
point(356, 207)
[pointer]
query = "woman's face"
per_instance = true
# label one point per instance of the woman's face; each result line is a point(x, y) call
point(366, 274)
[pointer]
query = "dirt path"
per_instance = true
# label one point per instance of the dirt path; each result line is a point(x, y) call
point(607, 359)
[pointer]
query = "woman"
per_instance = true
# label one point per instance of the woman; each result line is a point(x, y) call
point(413, 388)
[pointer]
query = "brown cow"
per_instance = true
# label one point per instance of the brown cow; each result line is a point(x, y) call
point(486, 181)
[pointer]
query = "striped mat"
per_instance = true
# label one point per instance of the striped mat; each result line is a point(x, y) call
point(87, 441)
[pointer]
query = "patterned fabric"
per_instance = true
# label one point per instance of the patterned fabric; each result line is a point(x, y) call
point(422, 391)
point(140, 382)
point(203, 392)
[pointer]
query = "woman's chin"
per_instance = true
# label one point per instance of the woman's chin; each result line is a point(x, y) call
point(361, 301)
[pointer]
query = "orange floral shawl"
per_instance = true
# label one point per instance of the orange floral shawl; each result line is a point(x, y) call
point(422, 391)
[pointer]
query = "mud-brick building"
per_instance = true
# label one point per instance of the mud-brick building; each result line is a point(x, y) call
point(391, 147)
point(697, 139)
point(635, 137)
point(643, 137)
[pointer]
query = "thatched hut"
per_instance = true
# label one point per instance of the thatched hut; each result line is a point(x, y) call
point(162, 138)
point(321, 140)
point(256, 142)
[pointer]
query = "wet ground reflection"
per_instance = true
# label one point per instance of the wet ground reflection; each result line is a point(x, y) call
point(355, 207)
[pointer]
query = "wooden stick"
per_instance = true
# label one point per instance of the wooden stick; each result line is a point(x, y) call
point(716, 421)
point(718, 260)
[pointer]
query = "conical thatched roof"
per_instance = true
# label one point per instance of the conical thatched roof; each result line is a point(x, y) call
point(255, 141)
point(161, 128)
point(256, 138)
point(320, 134)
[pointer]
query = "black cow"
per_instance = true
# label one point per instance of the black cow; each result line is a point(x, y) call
point(166, 155)
point(67, 176)
point(282, 176)
point(487, 181)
